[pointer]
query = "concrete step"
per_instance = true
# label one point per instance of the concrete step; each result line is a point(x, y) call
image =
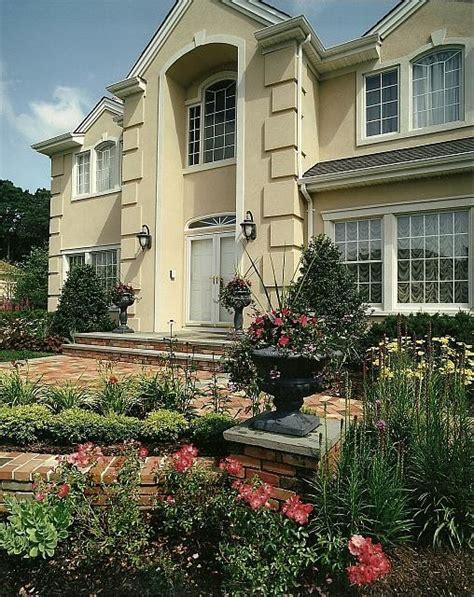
point(183, 344)
point(201, 361)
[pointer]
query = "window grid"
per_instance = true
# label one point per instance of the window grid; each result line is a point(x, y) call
point(433, 257)
point(194, 140)
point(381, 103)
point(83, 173)
point(436, 89)
point(106, 268)
point(360, 244)
point(106, 167)
point(76, 259)
point(220, 220)
point(219, 121)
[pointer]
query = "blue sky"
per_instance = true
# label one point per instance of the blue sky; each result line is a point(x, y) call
point(57, 56)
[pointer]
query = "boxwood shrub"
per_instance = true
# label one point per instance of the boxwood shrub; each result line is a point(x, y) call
point(207, 430)
point(24, 424)
point(164, 426)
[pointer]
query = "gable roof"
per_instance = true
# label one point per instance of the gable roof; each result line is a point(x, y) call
point(256, 9)
point(105, 104)
point(395, 17)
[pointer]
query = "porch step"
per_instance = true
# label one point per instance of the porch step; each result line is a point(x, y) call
point(191, 345)
point(201, 361)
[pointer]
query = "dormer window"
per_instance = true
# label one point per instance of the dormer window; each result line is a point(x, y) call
point(106, 168)
point(212, 124)
point(437, 88)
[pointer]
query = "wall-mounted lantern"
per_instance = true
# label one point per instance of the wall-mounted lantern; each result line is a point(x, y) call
point(144, 238)
point(249, 228)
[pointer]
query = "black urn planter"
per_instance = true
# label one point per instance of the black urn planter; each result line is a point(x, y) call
point(289, 378)
point(126, 300)
point(242, 299)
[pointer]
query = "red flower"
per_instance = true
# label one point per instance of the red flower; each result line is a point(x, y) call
point(285, 311)
point(143, 452)
point(40, 496)
point(296, 510)
point(63, 490)
point(303, 319)
point(184, 458)
point(255, 497)
point(372, 562)
point(283, 340)
point(278, 321)
point(258, 332)
point(113, 380)
point(231, 466)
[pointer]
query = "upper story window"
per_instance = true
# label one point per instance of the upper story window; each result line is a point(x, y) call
point(106, 168)
point(212, 124)
point(97, 169)
point(83, 173)
point(381, 103)
point(437, 88)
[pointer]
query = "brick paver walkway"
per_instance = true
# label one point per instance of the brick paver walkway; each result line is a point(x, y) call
point(60, 368)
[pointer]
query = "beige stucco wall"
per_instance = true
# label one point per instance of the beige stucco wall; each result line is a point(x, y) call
point(80, 223)
point(341, 118)
point(440, 187)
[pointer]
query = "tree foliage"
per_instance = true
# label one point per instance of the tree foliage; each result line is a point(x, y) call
point(24, 220)
point(83, 304)
point(32, 279)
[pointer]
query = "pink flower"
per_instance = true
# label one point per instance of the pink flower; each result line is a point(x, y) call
point(303, 320)
point(372, 562)
point(285, 311)
point(357, 544)
point(258, 333)
point(296, 510)
point(381, 425)
point(283, 340)
point(231, 466)
point(40, 496)
point(63, 490)
point(278, 321)
point(169, 499)
point(143, 452)
point(255, 497)
point(184, 458)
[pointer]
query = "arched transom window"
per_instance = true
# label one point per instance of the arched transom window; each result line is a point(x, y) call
point(437, 88)
point(210, 221)
point(212, 124)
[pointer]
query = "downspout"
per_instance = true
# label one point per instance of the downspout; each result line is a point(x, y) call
point(299, 113)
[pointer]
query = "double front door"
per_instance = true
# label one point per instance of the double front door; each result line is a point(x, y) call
point(211, 263)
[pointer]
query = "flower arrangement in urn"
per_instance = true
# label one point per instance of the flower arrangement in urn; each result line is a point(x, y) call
point(123, 296)
point(235, 296)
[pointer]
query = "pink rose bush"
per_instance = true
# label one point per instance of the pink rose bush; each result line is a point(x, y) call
point(372, 562)
point(296, 510)
point(184, 458)
point(86, 456)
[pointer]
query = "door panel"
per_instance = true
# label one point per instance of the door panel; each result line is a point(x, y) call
point(227, 270)
point(201, 283)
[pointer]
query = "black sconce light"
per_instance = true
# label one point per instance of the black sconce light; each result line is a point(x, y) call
point(144, 237)
point(249, 228)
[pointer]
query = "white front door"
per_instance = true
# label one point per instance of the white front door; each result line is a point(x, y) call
point(211, 263)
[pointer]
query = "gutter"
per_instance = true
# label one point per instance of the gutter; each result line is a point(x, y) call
point(310, 210)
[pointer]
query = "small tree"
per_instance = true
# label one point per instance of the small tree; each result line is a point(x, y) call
point(32, 279)
point(83, 304)
point(327, 289)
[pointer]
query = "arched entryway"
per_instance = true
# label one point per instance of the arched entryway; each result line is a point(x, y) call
point(211, 262)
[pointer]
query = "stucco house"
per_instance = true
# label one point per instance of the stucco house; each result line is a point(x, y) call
point(235, 107)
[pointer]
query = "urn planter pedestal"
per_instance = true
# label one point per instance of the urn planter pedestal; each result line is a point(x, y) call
point(126, 301)
point(242, 299)
point(289, 378)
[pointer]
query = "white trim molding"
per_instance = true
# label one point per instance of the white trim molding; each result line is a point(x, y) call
point(61, 143)
point(398, 15)
point(105, 104)
point(123, 89)
point(92, 150)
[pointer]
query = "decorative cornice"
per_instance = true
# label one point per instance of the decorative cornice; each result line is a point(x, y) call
point(322, 59)
point(58, 144)
point(105, 104)
point(396, 17)
point(259, 11)
point(127, 87)
point(391, 172)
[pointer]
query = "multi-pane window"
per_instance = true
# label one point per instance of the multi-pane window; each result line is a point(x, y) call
point(194, 141)
point(360, 244)
point(83, 167)
point(106, 267)
point(212, 125)
point(433, 258)
point(76, 259)
point(106, 167)
point(437, 88)
point(381, 103)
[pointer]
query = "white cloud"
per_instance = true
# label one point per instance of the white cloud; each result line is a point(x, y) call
point(45, 119)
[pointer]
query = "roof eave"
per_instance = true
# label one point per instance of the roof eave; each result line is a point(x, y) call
point(390, 172)
point(58, 144)
point(123, 89)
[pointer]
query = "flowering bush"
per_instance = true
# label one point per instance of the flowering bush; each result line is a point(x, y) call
point(296, 510)
point(255, 494)
point(231, 294)
point(372, 562)
point(231, 466)
point(288, 331)
point(184, 458)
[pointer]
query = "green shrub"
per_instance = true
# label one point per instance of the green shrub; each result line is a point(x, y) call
point(459, 326)
point(164, 426)
point(327, 289)
point(207, 431)
point(32, 279)
point(74, 425)
point(24, 424)
point(83, 304)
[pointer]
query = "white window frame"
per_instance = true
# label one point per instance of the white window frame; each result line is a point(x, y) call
point(199, 100)
point(87, 252)
point(389, 213)
point(395, 68)
point(77, 159)
point(92, 150)
point(405, 96)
